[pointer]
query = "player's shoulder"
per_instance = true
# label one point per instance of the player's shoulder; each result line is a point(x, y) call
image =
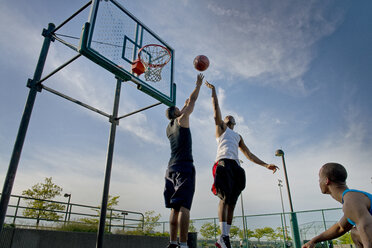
point(183, 120)
point(355, 199)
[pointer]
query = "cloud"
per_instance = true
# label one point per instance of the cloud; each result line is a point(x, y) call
point(248, 40)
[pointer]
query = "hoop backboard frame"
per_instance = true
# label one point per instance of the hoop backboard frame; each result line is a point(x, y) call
point(116, 53)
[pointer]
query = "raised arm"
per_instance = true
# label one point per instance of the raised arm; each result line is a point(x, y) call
point(244, 149)
point(190, 102)
point(220, 125)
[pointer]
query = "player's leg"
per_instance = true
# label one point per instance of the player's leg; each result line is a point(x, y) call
point(222, 211)
point(356, 237)
point(230, 214)
point(169, 191)
point(182, 198)
point(173, 224)
point(184, 221)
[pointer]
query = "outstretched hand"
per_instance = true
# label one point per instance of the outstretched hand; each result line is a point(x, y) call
point(199, 79)
point(211, 86)
point(272, 167)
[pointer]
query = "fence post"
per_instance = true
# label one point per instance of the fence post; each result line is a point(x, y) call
point(325, 227)
point(110, 220)
point(16, 211)
point(69, 213)
point(284, 236)
point(215, 233)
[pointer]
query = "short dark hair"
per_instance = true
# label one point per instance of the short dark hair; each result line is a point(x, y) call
point(170, 113)
point(228, 121)
point(334, 172)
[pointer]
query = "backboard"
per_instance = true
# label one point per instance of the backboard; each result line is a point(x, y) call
point(112, 39)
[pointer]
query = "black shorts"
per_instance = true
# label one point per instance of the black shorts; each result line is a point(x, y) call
point(179, 186)
point(229, 180)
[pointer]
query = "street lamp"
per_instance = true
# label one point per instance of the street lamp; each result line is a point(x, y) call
point(244, 225)
point(281, 198)
point(68, 204)
point(124, 214)
point(295, 232)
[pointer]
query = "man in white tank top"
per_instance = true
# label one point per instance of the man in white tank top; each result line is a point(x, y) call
point(229, 177)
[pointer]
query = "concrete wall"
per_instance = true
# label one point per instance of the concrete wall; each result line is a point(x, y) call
point(31, 238)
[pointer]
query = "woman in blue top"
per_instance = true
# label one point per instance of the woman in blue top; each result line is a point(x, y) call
point(357, 208)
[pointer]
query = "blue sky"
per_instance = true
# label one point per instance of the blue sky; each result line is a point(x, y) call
point(295, 74)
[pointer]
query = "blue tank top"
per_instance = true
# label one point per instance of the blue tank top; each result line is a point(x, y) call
point(180, 144)
point(363, 192)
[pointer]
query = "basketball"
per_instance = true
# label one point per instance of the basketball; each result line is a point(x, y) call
point(201, 62)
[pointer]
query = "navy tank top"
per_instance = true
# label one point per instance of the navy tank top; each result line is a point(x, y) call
point(180, 143)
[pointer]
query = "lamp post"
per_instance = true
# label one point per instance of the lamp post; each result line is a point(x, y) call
point(68, 204)
point(244, 224)
point(124, 214)
point(294, 224)
point(281, 198)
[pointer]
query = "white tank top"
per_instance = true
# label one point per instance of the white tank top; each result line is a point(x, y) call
point(227, 145)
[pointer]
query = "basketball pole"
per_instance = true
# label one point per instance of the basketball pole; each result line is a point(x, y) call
point(110, 152)
point(35, 87)
point(294, 222)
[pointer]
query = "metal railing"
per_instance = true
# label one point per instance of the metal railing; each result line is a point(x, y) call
point(71, 213)
point(310, 222)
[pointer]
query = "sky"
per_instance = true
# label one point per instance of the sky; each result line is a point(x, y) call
point(296, 75)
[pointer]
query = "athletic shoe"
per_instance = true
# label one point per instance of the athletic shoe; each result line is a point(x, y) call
point(173, 246)
point(223, 242)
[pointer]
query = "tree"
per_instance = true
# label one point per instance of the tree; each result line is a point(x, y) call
point(249, 233)
point(191, 226)
point(267, 232)
point(40, 207)
point(270, 233)
point(279, 234)
point(208, 230)
point(234, 231)
point(111, 203)
point(150, 222)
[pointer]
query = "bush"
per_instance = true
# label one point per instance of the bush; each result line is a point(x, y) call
point(142, 233)
point(78, 227)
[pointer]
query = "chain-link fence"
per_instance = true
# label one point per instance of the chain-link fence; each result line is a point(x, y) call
point(264, 230)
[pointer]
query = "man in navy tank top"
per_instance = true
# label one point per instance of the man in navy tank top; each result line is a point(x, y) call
point(229, 176)
point(180, 175)
point(356, 205)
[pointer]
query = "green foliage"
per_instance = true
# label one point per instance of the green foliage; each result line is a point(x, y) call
point(209, 229)
point(111, 203)
point(90, 221)
point(140, 232)
point(234, 231)
point(40, 209)
point(78, 227)
point(150, 222)
point(345, 239)
point(9, 225)
point(279, 233)
point(249, 233)
point(267, 232)
point(191, 226)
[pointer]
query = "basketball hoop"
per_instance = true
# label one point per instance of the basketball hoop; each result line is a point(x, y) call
point(154, 57)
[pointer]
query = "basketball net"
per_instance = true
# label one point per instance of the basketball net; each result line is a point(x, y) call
point(153, 74)
point(154, 57)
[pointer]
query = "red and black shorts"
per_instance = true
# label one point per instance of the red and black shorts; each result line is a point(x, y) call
point(179, 186)
point(229, 180)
